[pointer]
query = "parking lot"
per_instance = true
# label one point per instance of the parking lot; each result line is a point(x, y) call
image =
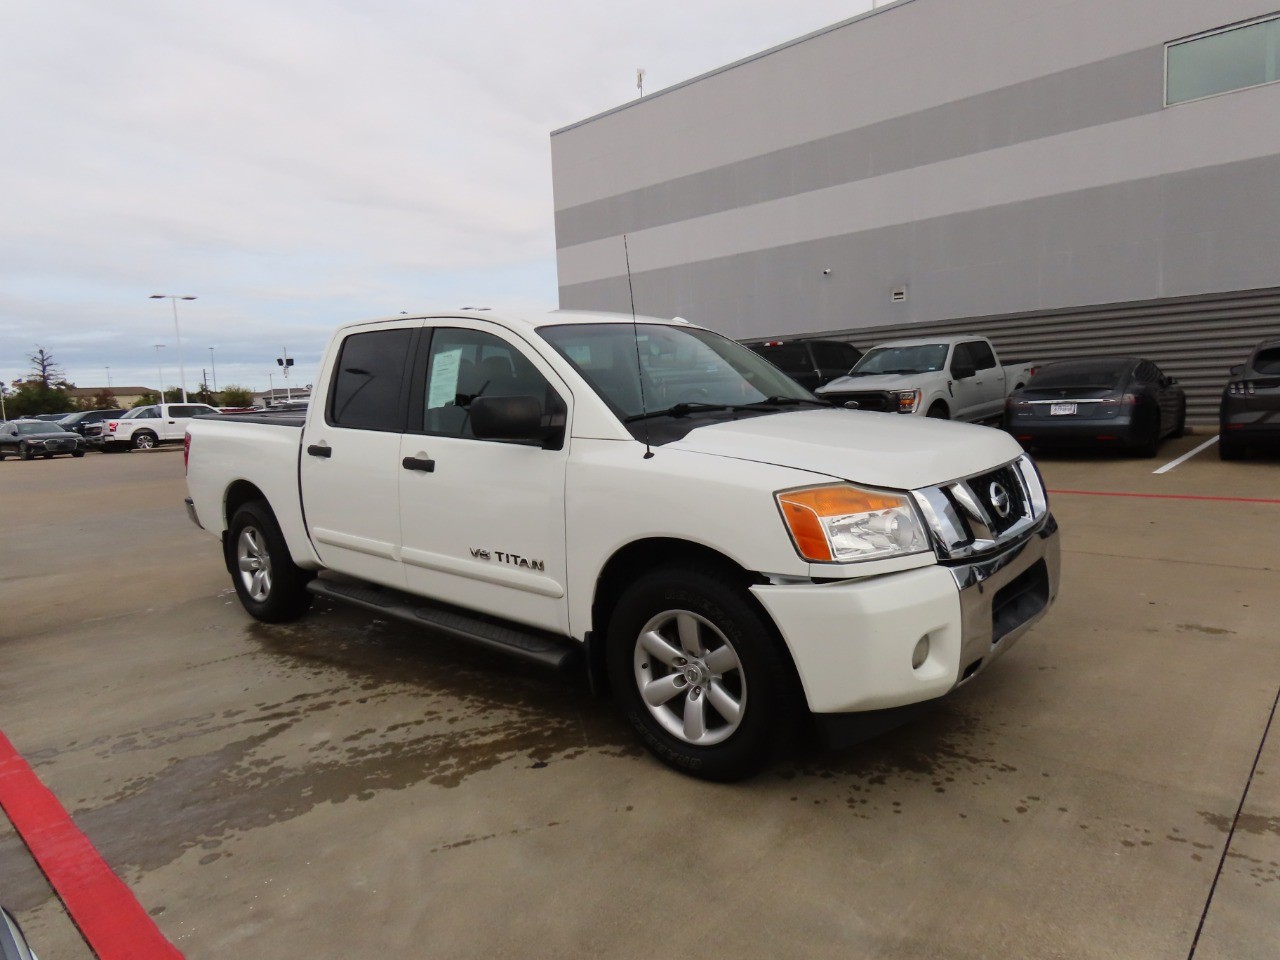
point(349, 787)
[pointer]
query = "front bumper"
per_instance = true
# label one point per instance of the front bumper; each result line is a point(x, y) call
point(852, 641)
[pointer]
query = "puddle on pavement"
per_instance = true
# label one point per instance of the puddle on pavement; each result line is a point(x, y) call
point(468, 712)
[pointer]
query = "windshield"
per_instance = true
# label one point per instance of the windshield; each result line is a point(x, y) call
point(671, 364)
point(39, 426)
point(922, 358)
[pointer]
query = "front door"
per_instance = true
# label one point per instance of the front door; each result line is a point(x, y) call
point(350, 468)
point(483, 521)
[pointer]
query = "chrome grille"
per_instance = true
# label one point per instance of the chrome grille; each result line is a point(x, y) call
point(985, 512)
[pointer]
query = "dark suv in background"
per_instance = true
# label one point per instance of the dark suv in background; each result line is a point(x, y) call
point(811, 363)
point(76, 422)
point(1250, 410)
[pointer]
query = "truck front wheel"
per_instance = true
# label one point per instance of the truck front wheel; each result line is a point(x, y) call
point(271, 587)
point(700, 675)
point(939, 411)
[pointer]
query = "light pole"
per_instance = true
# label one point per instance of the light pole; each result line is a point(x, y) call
point(160, 370)
point(108, 378)
point(174, 298)
point(214, 367)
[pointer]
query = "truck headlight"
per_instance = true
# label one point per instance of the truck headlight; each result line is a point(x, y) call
point(839, 523)
point(908, 400)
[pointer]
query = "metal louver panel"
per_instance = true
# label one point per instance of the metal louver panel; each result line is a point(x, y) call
point(1195, 339)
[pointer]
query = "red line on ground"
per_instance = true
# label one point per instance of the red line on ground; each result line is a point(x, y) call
point(1163, 496)
point(106, 912)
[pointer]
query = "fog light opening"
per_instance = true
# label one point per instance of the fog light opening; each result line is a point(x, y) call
point(921, 653)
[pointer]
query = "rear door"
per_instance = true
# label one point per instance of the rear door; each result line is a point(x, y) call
point(483, 521)
point(179, 416)
point(350, 459)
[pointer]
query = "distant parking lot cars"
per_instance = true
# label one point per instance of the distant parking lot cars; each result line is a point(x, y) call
point(1121, 402)
point(810, 363)
point(1250, 410)
point(77, 422)
point(37, 438)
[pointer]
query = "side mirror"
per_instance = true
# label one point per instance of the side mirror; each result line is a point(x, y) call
point(510, 418)
point(961, 370)
point(1236, 370)
point(13, 945)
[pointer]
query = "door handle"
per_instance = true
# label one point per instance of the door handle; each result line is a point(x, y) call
point(316, 450)
point(419, 463)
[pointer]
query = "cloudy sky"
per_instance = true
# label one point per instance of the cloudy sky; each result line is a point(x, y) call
point(296, 165)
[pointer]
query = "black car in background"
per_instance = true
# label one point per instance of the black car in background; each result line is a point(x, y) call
point(810, 363)
point(76, 422)
point(38, 438)
point(1250, 410)
point(1119, 402)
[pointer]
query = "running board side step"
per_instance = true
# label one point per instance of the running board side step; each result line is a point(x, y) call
point(524, 643)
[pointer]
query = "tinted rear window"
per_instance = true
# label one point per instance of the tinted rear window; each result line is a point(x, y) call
point(1092, 373)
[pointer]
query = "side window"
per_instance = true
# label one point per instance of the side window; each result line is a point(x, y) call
point(983, 357)
point(830, 356)
point(791, 357)
point(1145, 373)
point(151, 413)
point(183, 410)
point(465, 364)
point(849, 355)
point(368, 385)
point(962, 355)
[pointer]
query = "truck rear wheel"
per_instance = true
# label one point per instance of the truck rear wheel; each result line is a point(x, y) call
point(144, 440)
point(700, 675)
point(271, 587)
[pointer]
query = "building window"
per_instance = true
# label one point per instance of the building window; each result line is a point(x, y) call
point(1229, 59)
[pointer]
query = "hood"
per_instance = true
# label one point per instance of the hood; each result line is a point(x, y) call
point(882, 381)
point(876, 449)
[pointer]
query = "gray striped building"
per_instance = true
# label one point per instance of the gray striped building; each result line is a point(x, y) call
point(1067, 178)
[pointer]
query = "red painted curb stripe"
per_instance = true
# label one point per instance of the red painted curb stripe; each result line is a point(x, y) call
point(1164, 496)
point(108, 915)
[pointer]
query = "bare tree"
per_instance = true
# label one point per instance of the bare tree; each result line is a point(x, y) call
point(45, 369)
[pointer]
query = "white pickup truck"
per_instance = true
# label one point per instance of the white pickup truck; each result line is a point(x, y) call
point(949, 378)
point(144, 428)
point(644, 499)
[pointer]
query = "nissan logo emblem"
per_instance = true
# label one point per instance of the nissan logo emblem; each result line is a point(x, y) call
point(1000, 501)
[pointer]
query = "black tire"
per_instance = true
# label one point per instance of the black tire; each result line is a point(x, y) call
point(78, 453)
point(25, 453)
point(3, 453)
point(1180, 430)
point(1149, 444)
point(741, 666)
point(1230, 449)
point(939, 411)
point(271, 587)
point(145, 440)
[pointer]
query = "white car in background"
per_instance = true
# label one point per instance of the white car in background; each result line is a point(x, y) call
point(143, 428)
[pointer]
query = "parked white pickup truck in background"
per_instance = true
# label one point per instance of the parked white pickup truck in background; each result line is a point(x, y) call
point(950, 378)
point(145, 427)
point(645, 499)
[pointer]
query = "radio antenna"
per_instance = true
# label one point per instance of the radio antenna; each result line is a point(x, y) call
point(635, 331)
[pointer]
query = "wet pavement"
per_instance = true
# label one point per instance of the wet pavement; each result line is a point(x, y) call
point(349, 787)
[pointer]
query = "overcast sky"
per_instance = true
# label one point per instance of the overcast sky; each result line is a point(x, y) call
point(296, 165)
